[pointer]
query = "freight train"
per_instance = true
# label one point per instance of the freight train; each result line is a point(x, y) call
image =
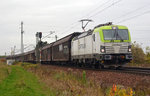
point(105, 45)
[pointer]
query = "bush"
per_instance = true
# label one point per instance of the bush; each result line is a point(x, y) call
point(3, 60)
point(84, 77)
point(138, 53)
point(118, 90)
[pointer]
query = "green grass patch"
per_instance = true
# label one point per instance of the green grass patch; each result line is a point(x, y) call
point(3, 74)
point(22, 83)
point(4, 71)
point(81, 79)
point(74, 84)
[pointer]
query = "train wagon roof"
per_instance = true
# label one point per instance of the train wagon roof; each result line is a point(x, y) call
point(47, 46)
point(83, 34)
point(13, 56)
point(29, 52)
point(66, 38)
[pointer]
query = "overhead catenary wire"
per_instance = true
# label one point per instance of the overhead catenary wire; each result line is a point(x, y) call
point(18, 50)
point(130, 12)
point(95, 9)
point(51, 32)
point(104, 9)
point(114, 3)
point(85, 16)
point(129, 18)
point(141, 30)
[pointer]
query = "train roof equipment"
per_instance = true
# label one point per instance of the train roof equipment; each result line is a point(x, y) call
point(109, 23)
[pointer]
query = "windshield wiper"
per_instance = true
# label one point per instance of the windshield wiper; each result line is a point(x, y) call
point(112, 40)
point(121, 40)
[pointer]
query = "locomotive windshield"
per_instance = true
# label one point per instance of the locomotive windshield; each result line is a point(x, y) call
point(117, 34)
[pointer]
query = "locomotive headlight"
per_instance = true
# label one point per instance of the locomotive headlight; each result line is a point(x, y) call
point(129, 48)
point(114, 27)
point(102, 49)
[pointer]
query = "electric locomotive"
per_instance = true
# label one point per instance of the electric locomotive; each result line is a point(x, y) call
point(105, 45)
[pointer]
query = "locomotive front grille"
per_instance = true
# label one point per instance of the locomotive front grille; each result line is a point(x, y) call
point(109, 49)
point(123, 49)
point(120, 49)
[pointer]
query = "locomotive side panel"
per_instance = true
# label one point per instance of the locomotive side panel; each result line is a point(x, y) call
point(89, 45)
point(85, 45)
point(82, 48)
point(74, 47)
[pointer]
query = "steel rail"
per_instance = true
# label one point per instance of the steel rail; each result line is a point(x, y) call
point(128, 70)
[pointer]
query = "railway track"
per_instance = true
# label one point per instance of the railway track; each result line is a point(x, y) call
point(129, 70)
point(135, 70)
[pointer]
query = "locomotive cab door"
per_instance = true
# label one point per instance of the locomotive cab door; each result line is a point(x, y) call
point(94, 43)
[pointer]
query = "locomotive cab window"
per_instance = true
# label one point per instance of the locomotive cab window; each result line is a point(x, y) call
point(117, 34)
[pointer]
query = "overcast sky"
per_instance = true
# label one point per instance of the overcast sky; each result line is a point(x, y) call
point(62, 16)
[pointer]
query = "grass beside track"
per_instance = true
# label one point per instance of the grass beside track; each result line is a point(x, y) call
point(4, 71)
point(24, 79)
point(19, 82)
